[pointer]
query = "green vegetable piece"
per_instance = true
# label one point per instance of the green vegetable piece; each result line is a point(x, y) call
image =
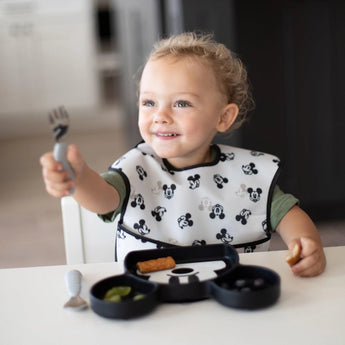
point(121, 291)
point(138, 297)
point(113, 298)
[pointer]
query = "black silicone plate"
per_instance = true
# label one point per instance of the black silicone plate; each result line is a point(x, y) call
point(211, 271)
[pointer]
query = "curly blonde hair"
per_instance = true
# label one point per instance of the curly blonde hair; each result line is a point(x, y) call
point(229, 71)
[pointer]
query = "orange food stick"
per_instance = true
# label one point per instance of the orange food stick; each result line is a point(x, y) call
point(295, 256)
point(156, 264)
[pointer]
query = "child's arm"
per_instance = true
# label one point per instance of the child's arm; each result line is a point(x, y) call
point(91, 190)
point(297, 227)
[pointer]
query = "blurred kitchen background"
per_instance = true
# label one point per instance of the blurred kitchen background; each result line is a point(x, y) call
point(83, 54)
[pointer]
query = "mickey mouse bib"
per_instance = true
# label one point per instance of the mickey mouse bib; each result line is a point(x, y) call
point(225, 201)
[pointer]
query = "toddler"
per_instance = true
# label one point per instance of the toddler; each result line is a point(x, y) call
point(176, 188)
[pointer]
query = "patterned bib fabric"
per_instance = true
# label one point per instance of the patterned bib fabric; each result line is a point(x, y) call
point(226, 201)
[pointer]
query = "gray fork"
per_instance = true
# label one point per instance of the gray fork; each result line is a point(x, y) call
point(59, 121)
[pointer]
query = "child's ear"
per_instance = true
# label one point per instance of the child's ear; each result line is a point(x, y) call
point(227, 117)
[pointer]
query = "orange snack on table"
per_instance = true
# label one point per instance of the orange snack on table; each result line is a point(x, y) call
point(156, 264)
point(295, 256)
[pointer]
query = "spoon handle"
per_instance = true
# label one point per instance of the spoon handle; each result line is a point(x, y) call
point(73, 282)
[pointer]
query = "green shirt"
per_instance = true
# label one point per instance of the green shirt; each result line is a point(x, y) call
point(281, 202)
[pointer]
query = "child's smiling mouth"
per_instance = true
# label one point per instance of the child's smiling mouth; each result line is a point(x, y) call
point(165, 135)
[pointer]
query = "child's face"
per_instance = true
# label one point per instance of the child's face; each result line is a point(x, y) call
point(180, 109)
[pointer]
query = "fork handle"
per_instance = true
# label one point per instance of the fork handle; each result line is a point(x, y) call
point(60, 155)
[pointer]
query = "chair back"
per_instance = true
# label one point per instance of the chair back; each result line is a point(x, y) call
point(87, 238)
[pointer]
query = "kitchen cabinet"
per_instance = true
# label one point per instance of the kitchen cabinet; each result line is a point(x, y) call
point(47, 55)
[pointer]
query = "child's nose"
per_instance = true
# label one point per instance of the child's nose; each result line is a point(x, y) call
point(162, 116)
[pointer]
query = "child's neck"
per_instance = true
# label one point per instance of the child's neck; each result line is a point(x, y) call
point(209, 157)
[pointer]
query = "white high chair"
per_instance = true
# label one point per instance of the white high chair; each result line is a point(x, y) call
point(87, 238)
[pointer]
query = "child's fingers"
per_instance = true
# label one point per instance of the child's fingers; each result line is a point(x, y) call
point(47, 162)
point(74, 158)
point(57, 181)
point(57, 184)
point(60, 190)
point(310, 266)
point(313, 261)
point(54, 176)
point(309, 246)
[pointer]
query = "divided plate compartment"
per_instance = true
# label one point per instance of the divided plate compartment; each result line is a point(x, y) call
point(128, 308)
point(195, 267)
point(247, 287)
point(210, 271)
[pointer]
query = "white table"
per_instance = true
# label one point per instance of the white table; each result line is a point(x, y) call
point(309, 311)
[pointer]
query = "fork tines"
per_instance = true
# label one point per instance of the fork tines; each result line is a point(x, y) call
point(59, 120)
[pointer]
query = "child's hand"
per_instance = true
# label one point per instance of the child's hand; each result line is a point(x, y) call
point(312, 258)
point(57, 181)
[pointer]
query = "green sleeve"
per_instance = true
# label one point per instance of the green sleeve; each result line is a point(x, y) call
point(116, 180)
point(281, 204)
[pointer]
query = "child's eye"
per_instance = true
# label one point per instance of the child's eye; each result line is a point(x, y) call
point(148, 103)
point(182, 104)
